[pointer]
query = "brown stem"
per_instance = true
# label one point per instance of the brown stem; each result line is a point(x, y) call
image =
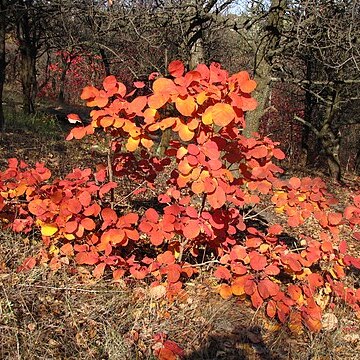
point(111, 176)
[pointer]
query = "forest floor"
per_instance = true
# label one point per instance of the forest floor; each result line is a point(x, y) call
point(62, 315)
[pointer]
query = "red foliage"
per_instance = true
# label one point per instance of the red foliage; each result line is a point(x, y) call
point(219, 176)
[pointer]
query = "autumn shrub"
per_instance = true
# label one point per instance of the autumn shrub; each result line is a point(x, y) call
point(217, 181)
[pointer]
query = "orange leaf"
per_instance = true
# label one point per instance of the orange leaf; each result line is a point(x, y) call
point(156, 101)
point(164, 86)
point(295, 183)
point(89, 92)
point(166, 354)
point(225, 291)
point(27, 264)
point(166, 258)
point(334, 218)
point(85, 198)
point(173, 272)
point(109, 83)
point(191, 229)
point(275, 229)
point(222, 114)
point(74, 205)
point(109, 215)
point(248, 86)
point(132, 144)
point(98, 272)
point(185, 133)
point(88, 224)
point(88, 258)
point(67, 250)
point(185, 106)
point(271, 309)
point(217, 199)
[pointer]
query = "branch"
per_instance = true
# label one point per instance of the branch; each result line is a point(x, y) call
point(309, 125)
point(310, 82)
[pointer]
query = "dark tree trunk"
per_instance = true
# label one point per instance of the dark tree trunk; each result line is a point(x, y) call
point(105, 61)
point(308, 109)
point(2, 59)
point(28, 52)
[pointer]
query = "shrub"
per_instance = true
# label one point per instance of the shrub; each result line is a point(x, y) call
point(215, 190)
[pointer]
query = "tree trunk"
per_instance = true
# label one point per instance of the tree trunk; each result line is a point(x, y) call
point(330, 141)
point(28, 51)
point(308, 109)
point(2, 59)
point(263, 64)
point(66, 63)
point(105, 61)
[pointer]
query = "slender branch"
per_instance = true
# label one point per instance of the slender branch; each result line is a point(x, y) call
point(309, 125)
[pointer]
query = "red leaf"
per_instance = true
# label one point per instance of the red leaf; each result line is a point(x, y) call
point(191, 229)
point(152, 215)
point(279, 154)
point(295, 292)
point(176, 68)
point(74, 206)
point(238, 252)
point(109, 216)
point(174, 347)
point(295, 183)
point(88, 258)
point(256, 299)
point(166, 258)
point(315, 280)
point(27, 264)
point(139, 84)
point(222, 273)
point(275, 229)
point(343, 247)
point(334, 218)
point(268, 288)
point(173, 272)
point(271, 309)
point(257, 261)
point(272, 270)
point(98, 272)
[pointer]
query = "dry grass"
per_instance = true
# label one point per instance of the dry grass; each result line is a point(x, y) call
point(68, 316)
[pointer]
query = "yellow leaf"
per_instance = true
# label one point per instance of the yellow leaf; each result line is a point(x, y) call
point(48, 229)
point(54, 250)
point(207, 118)
point(302, 198)
point(279, 210)
point(132, 144)
point(69, 236)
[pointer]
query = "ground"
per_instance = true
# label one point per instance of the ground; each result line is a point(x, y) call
point(67, 315)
